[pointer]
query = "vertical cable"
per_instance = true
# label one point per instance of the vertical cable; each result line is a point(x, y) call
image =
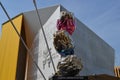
point(21, 39)
point(44, 35)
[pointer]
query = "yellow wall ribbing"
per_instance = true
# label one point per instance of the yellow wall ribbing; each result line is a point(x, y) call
point(117, 71)
point(9, 47)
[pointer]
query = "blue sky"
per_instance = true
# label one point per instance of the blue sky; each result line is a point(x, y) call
point(101, 16)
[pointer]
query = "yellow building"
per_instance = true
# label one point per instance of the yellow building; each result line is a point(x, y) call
point(117, 71)
point(12, 51)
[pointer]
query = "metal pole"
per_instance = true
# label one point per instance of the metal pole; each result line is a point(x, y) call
point(44, 35)
point(21, 39)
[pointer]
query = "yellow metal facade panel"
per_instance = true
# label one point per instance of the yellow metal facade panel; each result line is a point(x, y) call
point(117, 71)
point(9, 48)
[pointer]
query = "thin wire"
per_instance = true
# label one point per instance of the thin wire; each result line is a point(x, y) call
point(21, 39)
point(44, 35)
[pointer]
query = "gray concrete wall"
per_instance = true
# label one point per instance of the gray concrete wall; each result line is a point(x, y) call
point(97, 56)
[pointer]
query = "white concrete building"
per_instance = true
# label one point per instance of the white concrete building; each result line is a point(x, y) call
point(96, 55)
